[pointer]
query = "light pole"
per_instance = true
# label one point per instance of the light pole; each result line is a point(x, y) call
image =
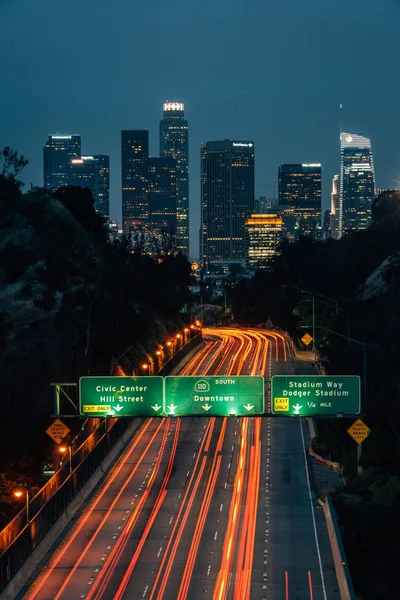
point(147, 368)
point(330, 302)
point(18, 494)
point(63, 449)
point(363, 344)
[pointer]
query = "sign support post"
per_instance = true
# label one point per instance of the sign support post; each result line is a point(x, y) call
point(359, 467)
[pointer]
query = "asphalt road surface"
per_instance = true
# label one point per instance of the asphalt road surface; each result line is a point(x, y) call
point(213, 508)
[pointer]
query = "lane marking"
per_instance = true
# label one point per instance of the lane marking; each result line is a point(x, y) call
point(312, 512)
point(310, 584)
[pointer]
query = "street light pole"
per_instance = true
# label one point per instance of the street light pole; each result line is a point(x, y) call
point(18, 494)
point(63, 449)
point(27, 507)
point(331, 301)
point(313, 322)
point(363, 344)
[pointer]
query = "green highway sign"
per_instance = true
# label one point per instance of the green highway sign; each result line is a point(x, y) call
point(315, 395)
point(222, 395)
point(121, 396)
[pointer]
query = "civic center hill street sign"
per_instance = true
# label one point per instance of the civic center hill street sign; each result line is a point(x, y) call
point(315, 395)
point(121, 396)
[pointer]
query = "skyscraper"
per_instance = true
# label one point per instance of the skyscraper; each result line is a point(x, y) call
point(300, 189)
point(64, 165)
point(102, 194)
point(174, 142)
point(93, 172)
point(135, 185)
point(60, 149)
point(264, 232)
point(163, 194)
point(336, 218)
point(227, 193)
point(357, 182)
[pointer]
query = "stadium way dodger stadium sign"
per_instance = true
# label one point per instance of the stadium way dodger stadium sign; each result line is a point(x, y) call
point(311, 395)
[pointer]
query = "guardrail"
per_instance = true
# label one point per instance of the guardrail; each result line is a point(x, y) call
point(12, 530)
point(339, 557)
point(19, 539)
point(33, 533)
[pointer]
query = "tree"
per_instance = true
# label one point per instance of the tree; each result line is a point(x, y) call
point(11, 164)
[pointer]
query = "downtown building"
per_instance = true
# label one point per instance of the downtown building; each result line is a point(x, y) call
point(149, 195)
point(93, 172)
point(135, 180)
point(263, 236)
point(63, 164)
point(227, 200)
point(299, 199)
point(357, 183)
point(174, 143)
point(335, 218)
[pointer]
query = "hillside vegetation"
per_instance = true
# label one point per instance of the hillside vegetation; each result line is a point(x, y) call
point(71, 304)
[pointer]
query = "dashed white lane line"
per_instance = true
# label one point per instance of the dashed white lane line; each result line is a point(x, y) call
point(312, 511)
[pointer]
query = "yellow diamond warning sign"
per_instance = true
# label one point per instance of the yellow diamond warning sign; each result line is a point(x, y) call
point(57, 431)
point(307, 339)
point(359, 431)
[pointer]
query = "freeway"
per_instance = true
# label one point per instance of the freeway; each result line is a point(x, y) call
point(217, 508)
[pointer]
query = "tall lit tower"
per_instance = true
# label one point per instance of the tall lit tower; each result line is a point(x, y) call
point(300, 189)
point(357, 182)
point(227, 195)
point(134, 171)
point(60, 149)
point(174, 142)
point(336, 217)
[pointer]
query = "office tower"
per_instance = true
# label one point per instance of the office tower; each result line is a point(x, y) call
point(93, 172)
point(60, 149)
point(102, 192)
point(300, 189)
point(135, 185)
point(335, 219)
point(163, 194)
point(263, 235)
point(174, 142)
point(357, 182)
point(227, 194)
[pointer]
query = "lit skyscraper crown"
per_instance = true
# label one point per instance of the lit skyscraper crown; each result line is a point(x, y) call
point(174, 106)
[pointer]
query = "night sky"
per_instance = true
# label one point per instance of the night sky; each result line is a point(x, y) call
point(272, 72)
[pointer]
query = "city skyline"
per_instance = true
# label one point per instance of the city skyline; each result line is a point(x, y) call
point(299, 185)
point(292, 118)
